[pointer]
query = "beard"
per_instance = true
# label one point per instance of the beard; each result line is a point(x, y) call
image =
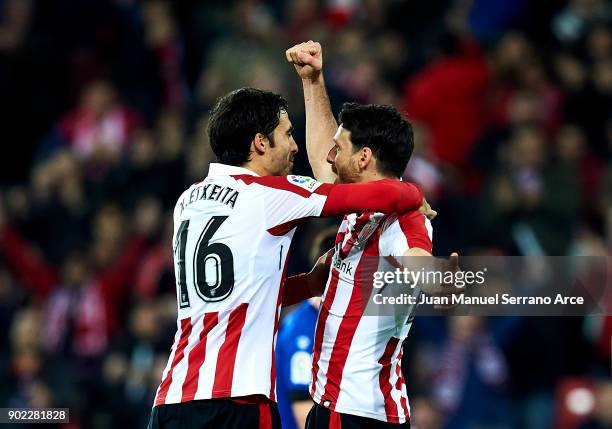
point(340, 177)
point(345, 175)
point(289, 167)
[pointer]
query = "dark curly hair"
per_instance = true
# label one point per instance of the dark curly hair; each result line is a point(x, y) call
point(384, 130)
point(237, 117)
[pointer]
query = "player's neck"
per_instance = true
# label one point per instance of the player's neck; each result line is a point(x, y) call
point(370, 176)
point(256, 168)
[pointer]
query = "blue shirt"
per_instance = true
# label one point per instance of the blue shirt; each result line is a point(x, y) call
point(293, 359)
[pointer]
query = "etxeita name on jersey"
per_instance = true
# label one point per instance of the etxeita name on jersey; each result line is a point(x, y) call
point(304, 182)
point(222, 194)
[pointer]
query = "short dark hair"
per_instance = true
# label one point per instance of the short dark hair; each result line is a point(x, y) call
point(384, 130)
point(237, 117)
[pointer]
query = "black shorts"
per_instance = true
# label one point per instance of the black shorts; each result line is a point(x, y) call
point(323, 418)
point(215, 414)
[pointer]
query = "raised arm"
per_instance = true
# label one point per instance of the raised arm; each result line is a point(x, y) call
point(307, 58)
point(31, 269)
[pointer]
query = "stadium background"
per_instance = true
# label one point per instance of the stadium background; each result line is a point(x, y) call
point(103, 111)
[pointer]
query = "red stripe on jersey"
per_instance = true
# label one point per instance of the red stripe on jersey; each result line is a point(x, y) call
point(341, 348)
point(341, 232)
point(226, 360)
point(413, 227)
point(393, 262)
point(400, 382)
point(196, 357)
point(350, 320)
point(335, 420)
point(384, 379)
point(360, 222)
point(282, 183)
point(279, 303)
point(178, 356)
point(284, 228)
point(324, 313)
point(265, 416)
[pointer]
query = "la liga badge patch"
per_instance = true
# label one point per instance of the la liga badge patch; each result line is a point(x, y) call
point(304, 182)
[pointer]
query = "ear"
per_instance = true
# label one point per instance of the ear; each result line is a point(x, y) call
point(258, 145)
point(365, 158)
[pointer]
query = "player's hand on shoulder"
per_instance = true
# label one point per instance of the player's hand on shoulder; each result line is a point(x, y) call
point(307, 58)
point(451, 265)
point(317, 277)
point(427, 210)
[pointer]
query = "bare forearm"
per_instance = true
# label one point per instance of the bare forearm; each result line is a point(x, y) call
point(307, 59)
point(417, 259)
point(320, 128)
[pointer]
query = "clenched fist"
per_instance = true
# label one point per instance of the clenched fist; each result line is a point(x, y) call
point(307, 58)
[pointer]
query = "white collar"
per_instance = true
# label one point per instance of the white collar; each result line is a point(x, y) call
point(218, 169)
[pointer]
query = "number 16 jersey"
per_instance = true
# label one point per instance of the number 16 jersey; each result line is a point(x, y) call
point(232, 233)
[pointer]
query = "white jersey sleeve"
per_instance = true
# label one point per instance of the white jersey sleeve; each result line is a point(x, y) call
point(288, 200)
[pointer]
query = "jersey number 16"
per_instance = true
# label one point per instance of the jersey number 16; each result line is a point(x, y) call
point(213, 264)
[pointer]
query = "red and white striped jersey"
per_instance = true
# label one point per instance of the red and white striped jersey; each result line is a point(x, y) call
point(232, 233)
point(357, 359)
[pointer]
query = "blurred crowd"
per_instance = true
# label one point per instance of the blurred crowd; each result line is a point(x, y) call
point(105, 107)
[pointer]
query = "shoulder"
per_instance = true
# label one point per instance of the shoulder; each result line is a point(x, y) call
point(300, 185)
point(413, 219)
point(181, 201)
point(413, 229)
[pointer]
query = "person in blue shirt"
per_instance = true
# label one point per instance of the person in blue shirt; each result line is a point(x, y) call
point(294, 366)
